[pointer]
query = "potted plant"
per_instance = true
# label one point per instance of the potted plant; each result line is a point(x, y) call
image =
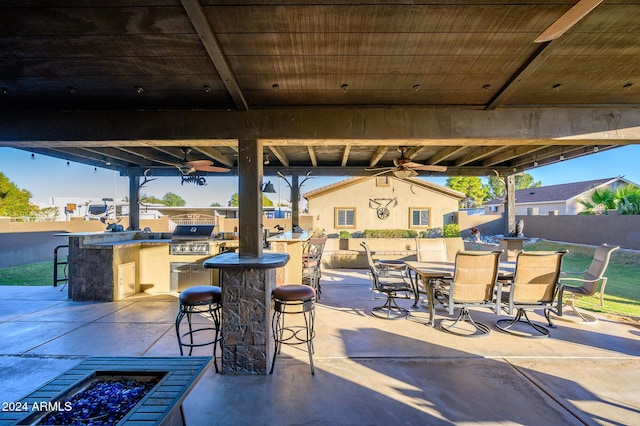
point(344, 240)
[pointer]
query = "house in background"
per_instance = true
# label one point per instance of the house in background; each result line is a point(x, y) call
point(556, 199)
point(382, 202)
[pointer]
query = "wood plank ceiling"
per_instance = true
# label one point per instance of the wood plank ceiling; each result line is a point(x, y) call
point(108, 83)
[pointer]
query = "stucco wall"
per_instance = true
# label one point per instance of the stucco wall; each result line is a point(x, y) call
point(595, 230)
point(401, 195)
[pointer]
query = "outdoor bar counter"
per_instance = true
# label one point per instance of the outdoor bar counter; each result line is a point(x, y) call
point(247, 283)
point(291, 243)
point(108, 266)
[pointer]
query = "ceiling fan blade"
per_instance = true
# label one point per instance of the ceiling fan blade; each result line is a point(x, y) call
point(433, 168)
point(199, 163)
point(375, 169)
point(212, 169)
point(412, 165)
point(568, 20)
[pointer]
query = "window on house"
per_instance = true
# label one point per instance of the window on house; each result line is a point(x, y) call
point(383, 181)
point(493, 208)
point(420, 217)
point(345, 217)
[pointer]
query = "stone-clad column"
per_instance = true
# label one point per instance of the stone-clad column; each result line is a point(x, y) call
point(247, 335)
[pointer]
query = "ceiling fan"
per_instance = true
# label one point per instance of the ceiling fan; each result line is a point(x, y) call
point(187, 166)
point(404, 168)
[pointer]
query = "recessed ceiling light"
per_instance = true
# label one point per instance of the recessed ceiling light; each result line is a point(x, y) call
point(139, 89)
point(4, 90)
point(206, 88)
point(275, 86)
point(344, 88)
point(72, 90)
point(557, 87)
point(627, 86)
point(486, 87)
point(416, 87)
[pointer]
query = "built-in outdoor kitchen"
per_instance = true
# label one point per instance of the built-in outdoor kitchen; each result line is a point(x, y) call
point(108, 266)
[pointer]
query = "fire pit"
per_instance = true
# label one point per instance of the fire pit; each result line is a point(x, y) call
point(153, 389)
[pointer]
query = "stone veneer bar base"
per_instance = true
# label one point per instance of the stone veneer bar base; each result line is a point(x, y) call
point(247, 335)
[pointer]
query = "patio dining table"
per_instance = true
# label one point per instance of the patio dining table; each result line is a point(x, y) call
point(431, 272)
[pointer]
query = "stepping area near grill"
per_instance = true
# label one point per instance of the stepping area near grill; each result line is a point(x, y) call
point(367, 370)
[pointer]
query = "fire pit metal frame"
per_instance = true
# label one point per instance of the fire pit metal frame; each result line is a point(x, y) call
point(161, 406)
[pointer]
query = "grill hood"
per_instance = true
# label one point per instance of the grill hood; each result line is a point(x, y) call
point(192, 232)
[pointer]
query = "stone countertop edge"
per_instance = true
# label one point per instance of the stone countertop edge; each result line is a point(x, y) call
point(150, 242)
point(234, 260)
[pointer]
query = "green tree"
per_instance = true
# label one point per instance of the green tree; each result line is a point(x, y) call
point(215, 204)
point(14, 202)
point(601, 200)
point(522, 181)
point(627, 199)
point(471, 186)
point(150, 199)
point(173, 200)
point(233, 201)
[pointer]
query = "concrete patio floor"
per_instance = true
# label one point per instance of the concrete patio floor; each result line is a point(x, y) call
point(369, 371)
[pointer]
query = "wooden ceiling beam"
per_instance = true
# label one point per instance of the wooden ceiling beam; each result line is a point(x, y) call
point(212, 46)
point(280, 155)
point(378, 155)
point(345, 155)
point(533, 63)
point(312, 155)
point(215, 155)
point(444, 153)
point(477, 154)
point(511, 153)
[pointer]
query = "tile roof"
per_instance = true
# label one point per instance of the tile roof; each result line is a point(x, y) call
point(561, 192)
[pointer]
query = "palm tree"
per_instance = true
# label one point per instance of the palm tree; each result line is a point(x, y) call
point(628, 199)
point(601, 201)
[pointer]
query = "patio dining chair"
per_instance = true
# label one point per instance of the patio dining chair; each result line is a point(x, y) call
point(474, 280)
point(534, 286)
point(392, 286)
point(312, 263)
point(429, 250)
point(592, 281)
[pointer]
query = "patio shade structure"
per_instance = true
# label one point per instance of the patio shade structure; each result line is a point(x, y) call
point(332, 88)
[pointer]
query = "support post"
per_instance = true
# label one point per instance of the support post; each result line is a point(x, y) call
point(510, 207)
point(295, 201)
point(134, 208)
point(250, 198)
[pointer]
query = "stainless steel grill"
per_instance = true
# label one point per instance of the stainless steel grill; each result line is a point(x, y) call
point(191, 239)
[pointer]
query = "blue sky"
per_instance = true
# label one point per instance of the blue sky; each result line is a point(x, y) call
point(47, 177)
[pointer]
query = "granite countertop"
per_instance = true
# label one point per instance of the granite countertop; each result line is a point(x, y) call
point(233, 260)
point(290, 236)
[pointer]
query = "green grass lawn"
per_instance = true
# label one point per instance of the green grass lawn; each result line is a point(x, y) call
point(33, 274)
point(622, 295)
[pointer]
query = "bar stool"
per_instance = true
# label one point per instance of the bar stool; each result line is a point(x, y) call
point(203, 299)
point(293, 299)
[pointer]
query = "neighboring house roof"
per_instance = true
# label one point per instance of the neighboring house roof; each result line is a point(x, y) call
point(352, 181)
point(557, 193)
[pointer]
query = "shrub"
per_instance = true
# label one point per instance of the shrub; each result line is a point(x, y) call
point(452, 230)
point(390, 233)
point(431, 233)
point(345, 234)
